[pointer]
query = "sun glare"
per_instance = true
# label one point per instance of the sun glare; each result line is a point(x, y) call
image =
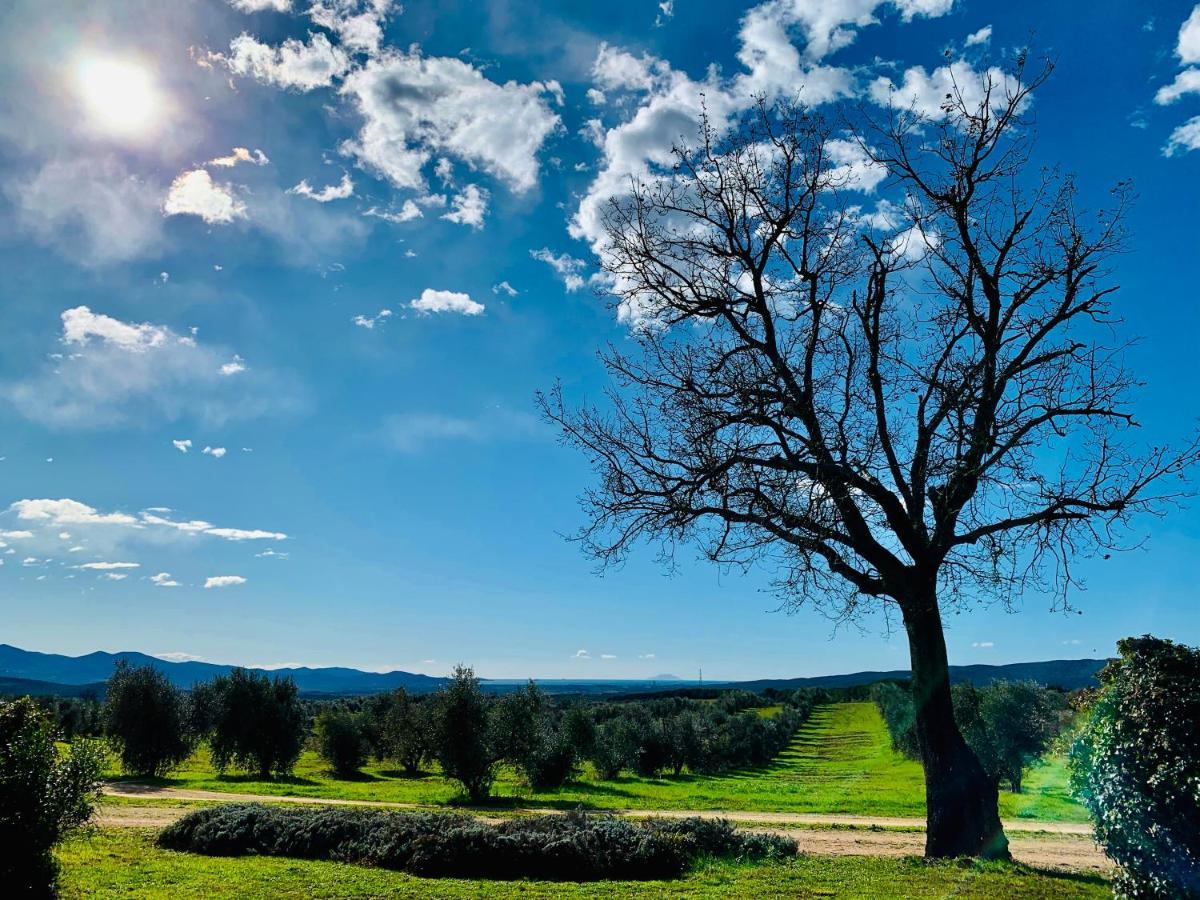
point(120, 96)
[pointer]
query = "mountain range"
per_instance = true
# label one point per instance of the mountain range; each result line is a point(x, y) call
point(31, 672)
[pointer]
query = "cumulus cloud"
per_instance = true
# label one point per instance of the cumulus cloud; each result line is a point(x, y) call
point(221, 581)
point(416, 107)
point(237, 155)
point(294, 65)
point(1184, 138)
point(565, 266)
point(1186, 82)
point(108, 566)
point(504, 287)
point(183, 446)
point(194, 193)
point(581, 654)
point(236, 366)
point(407, 213)
point(925, 92)
point(163, 580)
point(432, 301)
point(116, 372)
point(253, 6)
point(982, 36)
point(468, 207)
point(215, 452)
point(1188, 46)
point(57, 513)
point(370, 322)
point(357, 23)
point(52, 514)
point(339, 191)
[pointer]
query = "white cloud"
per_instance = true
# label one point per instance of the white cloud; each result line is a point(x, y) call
point(565, 266)
point(109, 566)
point(982, 36)
point(216, 452)
point(220, 581)
point(183, 446)
point(407, 213)
point(113, 576)
point(468, 207)
point(234, 367)
point(415, 431)
point(582, 654)
point(596, 96)
point(416, 107)
point(645, 656)
point(194, 193)
point(852, 168)
point(608, 656)
point(1188, 47)
point(983, 645)
point(291, 65)
point(119, 371)
point(358, 23)
point(177, 656)
point(339, 191)
point(371, 321)
point(1184, 138)
point(1186, 82)
point(237, 155)
point(271, 554)
point(505, 288)
point(66, 512)
point(432, 301)
point(16, 535)
point(253, 6)
point(164, 580)
point(925, 93)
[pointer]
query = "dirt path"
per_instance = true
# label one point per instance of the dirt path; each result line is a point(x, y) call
point(152, 792)
point(1050, 845)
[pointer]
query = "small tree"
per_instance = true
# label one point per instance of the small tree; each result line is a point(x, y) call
point(340, 741)
point(146, 719)
point(463, 742)
point(43, 795)
point(1136, 765)
point(258, 724)
point(1008, 724)
point(406, 731)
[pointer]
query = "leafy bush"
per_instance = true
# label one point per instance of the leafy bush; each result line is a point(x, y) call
point(42, 796)
point(896, 706)
point(258, 723)
point(463, 738)
point(570, 847)
point(1136, 766)
point(146, 719)
point(340, 740)
point(551, 761)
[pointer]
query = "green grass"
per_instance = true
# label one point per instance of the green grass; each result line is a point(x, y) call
point(840, 762)
point(125, 863)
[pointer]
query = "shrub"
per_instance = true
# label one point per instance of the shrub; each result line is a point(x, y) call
point(896, 706)
point(145, 717)
point(551, 761)
point(340, 740)
point(42, 796)
point(406, 731)
point(463, 739)
point(258, 724)
point(1136, 766)
point(570, 847)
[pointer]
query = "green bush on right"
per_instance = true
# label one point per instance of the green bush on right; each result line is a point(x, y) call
point(1136, 766)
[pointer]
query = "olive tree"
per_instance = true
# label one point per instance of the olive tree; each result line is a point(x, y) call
point(914, 409)
point(146, 718)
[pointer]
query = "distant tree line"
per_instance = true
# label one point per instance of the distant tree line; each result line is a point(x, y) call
point(259, 724)
point(1008, 724)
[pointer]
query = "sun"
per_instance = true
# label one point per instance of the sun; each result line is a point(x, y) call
point(120, 96)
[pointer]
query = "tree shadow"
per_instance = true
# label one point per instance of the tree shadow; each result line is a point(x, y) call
point(403, 775)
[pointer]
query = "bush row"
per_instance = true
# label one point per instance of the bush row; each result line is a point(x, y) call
point(572, 847)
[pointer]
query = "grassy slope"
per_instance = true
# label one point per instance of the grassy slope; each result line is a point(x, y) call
point(840, 762)
point(125, 863)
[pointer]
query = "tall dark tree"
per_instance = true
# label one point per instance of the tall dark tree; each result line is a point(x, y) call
point(146, 718)
point(258, 723)
point(920, 408)
point(463, 742)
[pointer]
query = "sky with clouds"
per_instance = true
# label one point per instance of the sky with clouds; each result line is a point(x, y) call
point(282, 278)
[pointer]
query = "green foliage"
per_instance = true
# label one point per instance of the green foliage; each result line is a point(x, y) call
point(896, 706)
point(405, 730)
point(42, 796)
point(570, 847)
point(1008, 724)
point(146, 719)
point(1136, 765)
point(463, 736)
point(340, 740)
point(258, 723)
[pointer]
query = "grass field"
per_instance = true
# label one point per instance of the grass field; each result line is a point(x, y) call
point(840, 762)
point(125, 863)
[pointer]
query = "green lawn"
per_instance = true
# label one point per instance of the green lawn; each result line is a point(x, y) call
point(840, 762)
point(125, 863)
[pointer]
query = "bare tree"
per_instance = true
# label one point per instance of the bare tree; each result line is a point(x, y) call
point(922, 407)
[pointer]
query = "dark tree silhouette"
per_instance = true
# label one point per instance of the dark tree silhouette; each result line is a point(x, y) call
point(923, 407)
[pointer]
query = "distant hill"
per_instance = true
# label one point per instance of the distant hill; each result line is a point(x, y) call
point(98, 667)
point(30, 672)
point(666, 677)
point(1069, 674)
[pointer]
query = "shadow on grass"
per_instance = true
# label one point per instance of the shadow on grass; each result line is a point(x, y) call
point(401, 775)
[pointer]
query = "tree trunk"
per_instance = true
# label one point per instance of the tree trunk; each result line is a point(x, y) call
point(962, 803)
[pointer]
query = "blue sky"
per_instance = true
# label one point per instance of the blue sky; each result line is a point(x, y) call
point(338, 248)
